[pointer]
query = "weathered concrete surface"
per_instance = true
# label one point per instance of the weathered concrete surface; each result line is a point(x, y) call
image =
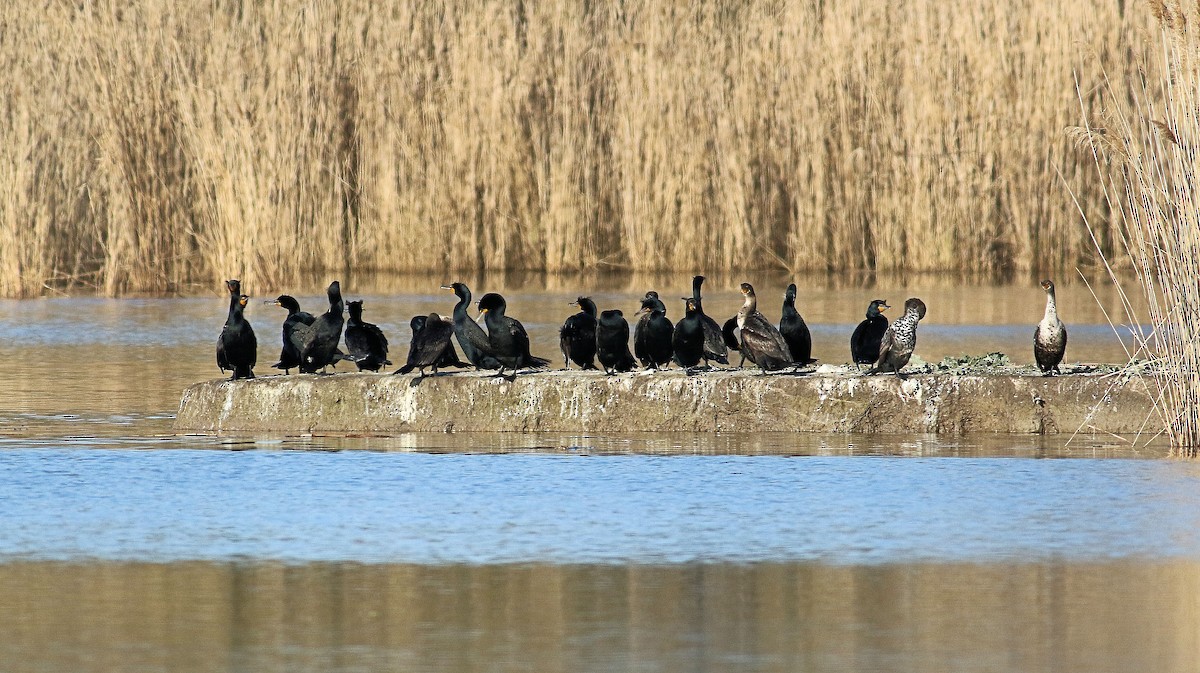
point(740, 401)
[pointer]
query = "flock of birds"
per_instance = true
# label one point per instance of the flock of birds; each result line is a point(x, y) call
point(312, 343)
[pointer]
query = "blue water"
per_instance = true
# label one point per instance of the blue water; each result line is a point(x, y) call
point(183, 504)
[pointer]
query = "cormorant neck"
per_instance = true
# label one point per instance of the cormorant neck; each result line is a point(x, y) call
point(1051, 307)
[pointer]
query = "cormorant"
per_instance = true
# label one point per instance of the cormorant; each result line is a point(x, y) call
point(577, 336)
point(1050, 337)
point(794, 330)
point(714, 342)
point(507, 340)
point(237, 348)
point(319, 341)
point(652, 335)
point(760, 341)
point(732, 335)
point(900, 339)
point(864, 343)
point(688, 340)
point(467, 331)
point(432, 345)
point(612, 342)
point(289, 357)
point(367, 345)
point(641, 337)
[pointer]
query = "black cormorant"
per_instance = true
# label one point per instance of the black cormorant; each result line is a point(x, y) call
point(687, 342)
point(577, 336)
point(652, 335)
point(900, 339)
point(864, 343)
point(467, 331)
point(367, 345)
point(612, 342)
point(760, 341)
point(794, 330)
point(432, 345)
point(732, 335)
point(1050, 337)
point(507, 340)
point(319, 341)
point(289, 357)
point(714, 342)
point(237, 348)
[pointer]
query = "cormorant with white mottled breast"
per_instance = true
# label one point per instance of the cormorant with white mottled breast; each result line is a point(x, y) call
point(760, 341)
point(900, 339)
point(1050, 337)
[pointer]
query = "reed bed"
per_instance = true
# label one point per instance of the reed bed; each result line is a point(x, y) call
point(149, 144)
point(1152, 139)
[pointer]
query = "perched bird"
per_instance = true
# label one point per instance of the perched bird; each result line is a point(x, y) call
point(318, 342)
point(759, 340)
point(431, 346)
point(794, 330)
point(237, 348)
point(900, 339)
point(612, 343)
point(687, 342)
point(507, 340)
point(1050, 337)
point(864, 343)
point(641, 337)
point(652, 335)
point(714, 342)
point(577, 336)
point(289, 357)
point(733, 337)
point(467, 331)
point(367, 345)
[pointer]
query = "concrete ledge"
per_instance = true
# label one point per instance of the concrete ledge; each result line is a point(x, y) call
point(727, 401)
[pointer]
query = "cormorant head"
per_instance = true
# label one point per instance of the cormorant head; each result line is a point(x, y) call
point(417, 324)
point(285, 301)
point(789, 295)
point(234, 286)
point(877, 306)
point(915, 305)
point(651, 294)
point(586, 305)
point(355, 308)
point(492, 303)
point(612, 314)
point(1048, 285)
point(689, 305)
point(243, 300)
point(460, 289)
point(747, 290)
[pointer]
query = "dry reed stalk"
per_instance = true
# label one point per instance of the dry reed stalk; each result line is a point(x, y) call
point(165, 143)
point(1152, 135)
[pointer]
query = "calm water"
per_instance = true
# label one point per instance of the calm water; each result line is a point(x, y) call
point(126, 548)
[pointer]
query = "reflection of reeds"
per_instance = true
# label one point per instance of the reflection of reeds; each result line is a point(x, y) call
point(150, 143)
point(1153, 140)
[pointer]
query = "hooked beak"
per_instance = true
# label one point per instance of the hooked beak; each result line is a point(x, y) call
point(447, 287)
point(482, 311)
point(883, 307)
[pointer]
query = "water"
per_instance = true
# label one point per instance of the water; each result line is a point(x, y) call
point(127, 548)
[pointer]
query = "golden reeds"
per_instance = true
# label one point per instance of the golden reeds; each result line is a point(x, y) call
point(1152, 133)
point(147, 144)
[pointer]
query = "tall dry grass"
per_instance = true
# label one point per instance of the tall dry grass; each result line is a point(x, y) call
point(147, 144)
point(1153, 142)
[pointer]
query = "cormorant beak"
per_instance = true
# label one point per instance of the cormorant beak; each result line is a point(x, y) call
point(883, 307)
point(447, 287)
point(482, 311)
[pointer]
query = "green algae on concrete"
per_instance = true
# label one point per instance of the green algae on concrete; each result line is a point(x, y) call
point(833, 399)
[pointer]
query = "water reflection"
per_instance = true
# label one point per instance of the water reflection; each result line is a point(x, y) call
point(216, 617)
